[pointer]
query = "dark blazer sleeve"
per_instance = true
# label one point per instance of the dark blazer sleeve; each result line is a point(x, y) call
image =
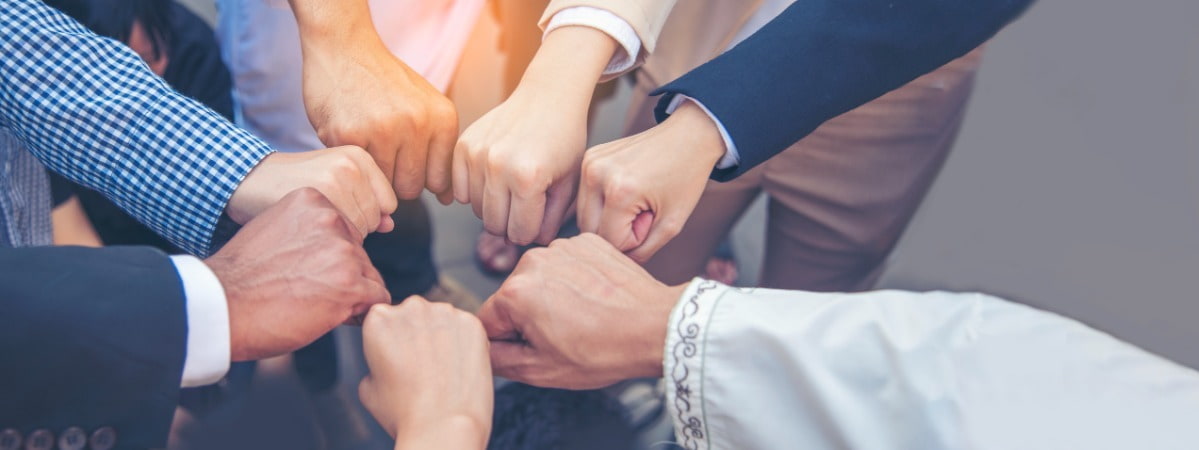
point(91, 338)
point(821, 58)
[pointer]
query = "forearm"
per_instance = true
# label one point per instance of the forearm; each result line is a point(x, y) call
point(326, 25)
point(567, 66)
point(820, 59)
point(89, 109)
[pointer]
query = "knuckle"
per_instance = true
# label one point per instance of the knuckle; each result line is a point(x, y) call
point(529, 179)
point(494, 228)
point(326, 217)
point(672, 226)
point(621, 187)
point(308, 194)
point(593, 172)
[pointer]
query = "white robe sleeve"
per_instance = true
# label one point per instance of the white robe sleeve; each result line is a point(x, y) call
point(768, 369)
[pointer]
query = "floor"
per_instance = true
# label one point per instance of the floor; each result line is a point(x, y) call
point(1074, 187)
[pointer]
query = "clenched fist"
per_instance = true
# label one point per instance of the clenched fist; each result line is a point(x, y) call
point(292, 274)
point(357, 93)
point(518, 165)
point(430, 382)
point(345, 175)
point(637, 192)
point(578, 315)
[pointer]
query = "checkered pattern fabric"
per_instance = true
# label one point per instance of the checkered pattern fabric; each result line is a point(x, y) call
point(90, 109)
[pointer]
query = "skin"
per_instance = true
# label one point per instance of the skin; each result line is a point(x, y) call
point(578, 315)
point(293, 274)
point(346, 176)
point(518, 165)
point(637, 192)
point(357, 93)
point(430, 381)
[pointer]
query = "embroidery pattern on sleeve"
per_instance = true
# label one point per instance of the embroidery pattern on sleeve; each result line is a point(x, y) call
point(686, 361)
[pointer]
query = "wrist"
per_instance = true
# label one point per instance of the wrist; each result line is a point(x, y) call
point(699, 132)
point(334, 27)
point(457, 431)
point(568, 64)
point(657, 317)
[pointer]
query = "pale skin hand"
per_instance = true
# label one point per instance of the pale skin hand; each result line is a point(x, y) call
point(656, 176)
point(578, 315)
point(357, 93)
point(345, 175)
point(430, 381)
point(518, 165)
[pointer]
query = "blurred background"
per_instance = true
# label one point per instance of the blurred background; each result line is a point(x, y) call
point(1074, 187)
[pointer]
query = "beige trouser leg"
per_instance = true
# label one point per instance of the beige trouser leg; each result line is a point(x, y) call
point(841, 197)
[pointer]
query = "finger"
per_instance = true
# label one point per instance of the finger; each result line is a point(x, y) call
point(368, 202)
point(371, 291)
point(557, 207)
point(384, 158)
point(477, 183)
point(525, 218)
point(345, 228)
point(461, 174)
point(616, 225)
point(590, 207)
point(440, 159)
point(495, 207)
point(382, 190)
point(512, 359)
point(445, 198)
point(410, 167)
point(664, 228)
point(497, 321)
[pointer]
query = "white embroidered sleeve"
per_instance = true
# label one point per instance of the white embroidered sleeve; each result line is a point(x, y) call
point(766, 369)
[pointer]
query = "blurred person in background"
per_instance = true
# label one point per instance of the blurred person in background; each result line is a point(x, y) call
point(176, 45)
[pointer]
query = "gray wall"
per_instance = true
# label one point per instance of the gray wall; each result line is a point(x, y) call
point(1075, 184)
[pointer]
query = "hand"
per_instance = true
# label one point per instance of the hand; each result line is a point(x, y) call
point(345, 175)
point(357, 93)
point(637, 192)
point(430, 382)
point(518, 165)
point(578, 315)
point(292, 274)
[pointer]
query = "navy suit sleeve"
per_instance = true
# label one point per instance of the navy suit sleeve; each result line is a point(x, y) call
point(91, 338)
point(821, 58)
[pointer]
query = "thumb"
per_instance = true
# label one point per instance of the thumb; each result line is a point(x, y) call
point(512, 360)
point(641, 226)
point(496, 321)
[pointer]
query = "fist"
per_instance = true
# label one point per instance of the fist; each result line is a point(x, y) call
point(578, 315)
point(292, 274)
point(363, 95)
point(346, 176)
point(429, 371)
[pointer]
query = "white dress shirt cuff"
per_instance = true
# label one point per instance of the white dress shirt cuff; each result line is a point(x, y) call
point(611, 24)
point(731, 158)
point(208, 350)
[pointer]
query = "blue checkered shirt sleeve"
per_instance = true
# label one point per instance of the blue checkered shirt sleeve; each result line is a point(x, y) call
point(90, 109)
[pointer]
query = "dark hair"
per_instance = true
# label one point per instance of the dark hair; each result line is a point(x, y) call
point(531, 418)
point(115, 18)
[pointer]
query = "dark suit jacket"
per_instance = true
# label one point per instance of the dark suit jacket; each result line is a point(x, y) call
point(821, 58)
point(91, 338)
